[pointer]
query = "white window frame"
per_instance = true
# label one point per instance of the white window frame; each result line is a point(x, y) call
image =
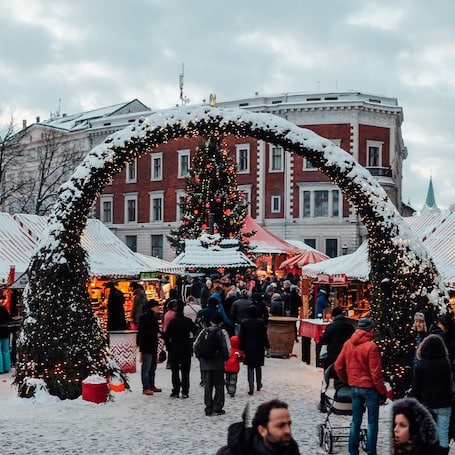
point(239, 148)
point(131, 172)
point(179, 194)
point(181, 155)
point(156, 195)
point(378, 145)
point(272, 149)
point(277, 200)
point(153, 158)
point(106, 198)
point(308, 165)
point(130, 197)
point(331, 209)
point(246, 190)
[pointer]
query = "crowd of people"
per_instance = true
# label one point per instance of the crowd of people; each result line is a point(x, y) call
point(233, 315)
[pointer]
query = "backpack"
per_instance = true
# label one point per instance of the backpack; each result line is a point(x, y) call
point(209, 344)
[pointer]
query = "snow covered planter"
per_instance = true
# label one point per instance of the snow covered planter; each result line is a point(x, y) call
point(61, 340)
point(95, 389)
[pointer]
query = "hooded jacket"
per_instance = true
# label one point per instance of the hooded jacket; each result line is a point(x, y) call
point(233, 363)
point(359, 362)
point(423, 429)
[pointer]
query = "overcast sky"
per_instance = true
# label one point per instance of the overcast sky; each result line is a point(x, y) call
point(86, 54)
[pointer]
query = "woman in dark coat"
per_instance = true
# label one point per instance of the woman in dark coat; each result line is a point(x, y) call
point(432, 383)
point(414, 431)
point(253, 342)
point(179, 335)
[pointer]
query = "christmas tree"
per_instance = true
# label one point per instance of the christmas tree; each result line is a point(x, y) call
point(212, 200)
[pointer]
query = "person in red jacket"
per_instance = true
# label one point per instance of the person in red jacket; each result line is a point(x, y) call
point(359, 365)
point(232, 366)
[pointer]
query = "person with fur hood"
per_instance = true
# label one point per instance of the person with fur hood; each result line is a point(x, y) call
point(432, 383)
point(414, 431)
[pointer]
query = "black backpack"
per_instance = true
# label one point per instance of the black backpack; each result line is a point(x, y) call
point(209, 344)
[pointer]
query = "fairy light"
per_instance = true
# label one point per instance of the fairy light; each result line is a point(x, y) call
point(59, 325)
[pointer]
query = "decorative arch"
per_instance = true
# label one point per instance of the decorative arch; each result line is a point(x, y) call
point(60, 332)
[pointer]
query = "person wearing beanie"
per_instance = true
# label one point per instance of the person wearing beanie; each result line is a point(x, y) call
point(147, 340)
point(414, 430)
point(432, 383)
point(322, 303)
point(359, 366)
point(277, 305)
point(420, 327)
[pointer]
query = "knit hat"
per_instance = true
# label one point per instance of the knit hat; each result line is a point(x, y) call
point(420, 317)
point(276, 296)
point(366, 324)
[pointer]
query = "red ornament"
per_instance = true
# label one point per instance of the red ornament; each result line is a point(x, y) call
point(196, 211)
point(218, 200)
point(208, 165)
point(207, 205)
point(204, 227)
point(227, 212)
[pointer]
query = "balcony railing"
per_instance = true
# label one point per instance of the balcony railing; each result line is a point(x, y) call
point(380, 171)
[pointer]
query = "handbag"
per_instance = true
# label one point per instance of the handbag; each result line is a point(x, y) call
point(162, 356)
point(323, 352)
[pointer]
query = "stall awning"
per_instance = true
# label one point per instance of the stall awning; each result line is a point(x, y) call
point(155, 264)
point(264, 241)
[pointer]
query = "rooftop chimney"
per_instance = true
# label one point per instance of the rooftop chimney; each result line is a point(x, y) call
point(37, 119)
point(24, 124)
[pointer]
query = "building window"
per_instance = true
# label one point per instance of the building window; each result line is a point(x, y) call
point(306, 204)
point(374, 154)
point(157, 166)
point(157, 246)
point(242, 152)
point(106, 209)
point(310, 242)
point(131, 209)
point(276, 159)
point(320, 203)
point(246, 191)
point(131, 242)
point(180, 201)
point(307, 164)
point(331, 247)
point(131, 172)
point(276, 204)
point(156, 206)
point(184, 163)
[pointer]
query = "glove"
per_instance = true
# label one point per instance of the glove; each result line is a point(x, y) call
point(268, 353)
point(382, 399)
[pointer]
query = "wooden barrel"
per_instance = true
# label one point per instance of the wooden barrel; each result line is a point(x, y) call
point(281, 333)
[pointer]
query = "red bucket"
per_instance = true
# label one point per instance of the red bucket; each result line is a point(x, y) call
point(97, 393)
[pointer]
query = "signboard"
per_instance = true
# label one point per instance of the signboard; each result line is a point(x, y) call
point(149, 276)
point(323, 278)
point(339, 278)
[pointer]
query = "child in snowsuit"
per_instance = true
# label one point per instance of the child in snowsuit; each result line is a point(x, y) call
point(232, 366)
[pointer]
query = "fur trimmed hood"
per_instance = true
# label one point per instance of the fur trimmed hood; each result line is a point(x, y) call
point(422, 427)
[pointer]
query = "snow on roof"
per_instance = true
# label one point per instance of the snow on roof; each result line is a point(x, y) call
point(226, 254)
point(155, 264)
point(435, 230)
point(264, 241)
point(108, 256)
point(15, 247)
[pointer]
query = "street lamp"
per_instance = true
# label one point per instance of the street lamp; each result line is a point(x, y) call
point(344, 249)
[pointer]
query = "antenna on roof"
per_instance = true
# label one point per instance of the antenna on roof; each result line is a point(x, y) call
point(183, 99)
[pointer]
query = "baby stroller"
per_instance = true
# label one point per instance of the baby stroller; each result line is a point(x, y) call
point(336, 400)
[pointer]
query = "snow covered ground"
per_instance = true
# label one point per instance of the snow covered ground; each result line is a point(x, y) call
point(134, 423)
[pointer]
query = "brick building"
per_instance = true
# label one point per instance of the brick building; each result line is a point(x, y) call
point(287, 194)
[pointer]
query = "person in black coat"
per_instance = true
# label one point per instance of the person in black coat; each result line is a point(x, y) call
point(147, 340)
point(270, 433)
point(179, 335)
point(115, 310)
point(335, 335)
point(253, 342)
point(432, 383)
point(414, 430)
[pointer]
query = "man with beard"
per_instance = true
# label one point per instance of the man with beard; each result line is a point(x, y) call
point(270, 434)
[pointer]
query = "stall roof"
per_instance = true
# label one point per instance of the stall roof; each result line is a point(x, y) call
point(436, 230)
point(155, 264)
point(108, 256)
point(15, 248)
point(264, 241)
point(225, 254)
